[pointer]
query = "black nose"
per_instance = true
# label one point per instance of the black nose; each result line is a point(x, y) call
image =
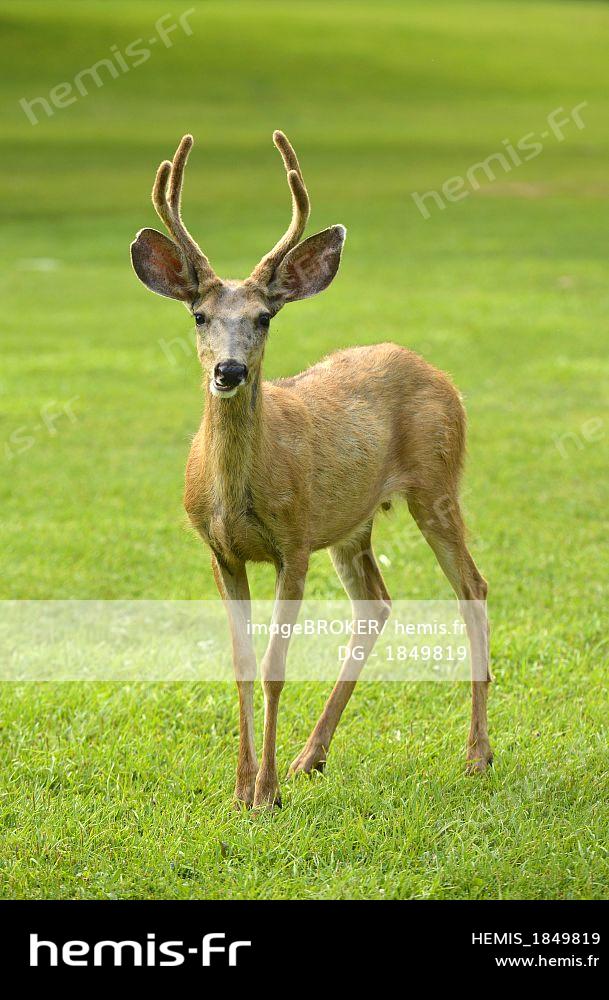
point(230, 373)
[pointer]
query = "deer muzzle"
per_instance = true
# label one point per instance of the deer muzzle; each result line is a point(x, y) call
point(228, 376)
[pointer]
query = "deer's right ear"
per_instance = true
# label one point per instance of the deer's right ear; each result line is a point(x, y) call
point(162, 266)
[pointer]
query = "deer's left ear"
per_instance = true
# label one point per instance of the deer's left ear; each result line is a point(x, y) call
point(162, 267)
point(309, 267)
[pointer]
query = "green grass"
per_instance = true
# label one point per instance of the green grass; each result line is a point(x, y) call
point(124, 791)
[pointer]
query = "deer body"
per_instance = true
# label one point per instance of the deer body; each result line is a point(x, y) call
point(280, 469)
point(266, 470)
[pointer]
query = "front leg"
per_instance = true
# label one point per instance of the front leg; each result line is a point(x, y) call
point(234, 589)
point(288, 596)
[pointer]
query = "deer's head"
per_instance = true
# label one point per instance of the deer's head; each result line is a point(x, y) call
point(232, 318)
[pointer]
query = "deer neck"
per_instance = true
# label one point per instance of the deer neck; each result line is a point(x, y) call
point(231, 433)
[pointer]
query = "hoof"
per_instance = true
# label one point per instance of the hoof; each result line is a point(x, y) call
point(267, 795)
point(267, 805)
point(479, 761)
point(241, 805)
point(244, 794)
point(310, 759)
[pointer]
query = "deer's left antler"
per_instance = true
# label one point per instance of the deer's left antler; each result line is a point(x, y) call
point(300, 212)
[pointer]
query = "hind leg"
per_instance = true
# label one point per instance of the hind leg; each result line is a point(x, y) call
point(357, 568)
point(440, 521)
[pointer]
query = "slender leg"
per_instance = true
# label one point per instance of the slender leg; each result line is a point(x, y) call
point(357, 568)
point(234, 589)
point(441, 524)
point(288, 597)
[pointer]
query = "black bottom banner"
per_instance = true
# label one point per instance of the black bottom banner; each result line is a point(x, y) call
point(311, 942)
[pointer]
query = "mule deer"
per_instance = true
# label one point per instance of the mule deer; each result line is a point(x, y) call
point(280, 469)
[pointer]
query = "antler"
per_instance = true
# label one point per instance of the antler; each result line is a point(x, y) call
point(166, 196)
point(300, 212)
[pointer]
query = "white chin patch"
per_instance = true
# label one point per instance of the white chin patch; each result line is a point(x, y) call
point(221, 393)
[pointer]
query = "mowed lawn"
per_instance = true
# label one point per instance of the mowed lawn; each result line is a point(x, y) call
point(125, 791)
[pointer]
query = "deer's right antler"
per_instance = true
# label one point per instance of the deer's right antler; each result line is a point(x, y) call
point(166, 197)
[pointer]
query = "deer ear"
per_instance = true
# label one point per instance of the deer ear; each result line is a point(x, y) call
point(309, 267)
point(162, 267)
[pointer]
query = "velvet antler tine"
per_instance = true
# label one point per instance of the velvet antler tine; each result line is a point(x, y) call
point(287, 151)
point(159, 192)
point(177, 172)
point(300, 212)
point(166, 197)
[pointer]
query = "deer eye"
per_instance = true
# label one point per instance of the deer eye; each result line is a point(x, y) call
point(199, 319)
point(264, 320)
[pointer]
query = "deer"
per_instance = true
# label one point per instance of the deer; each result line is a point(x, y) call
point(280, 469)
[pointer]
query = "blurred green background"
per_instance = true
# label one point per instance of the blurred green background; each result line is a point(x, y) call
point(125, 791)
